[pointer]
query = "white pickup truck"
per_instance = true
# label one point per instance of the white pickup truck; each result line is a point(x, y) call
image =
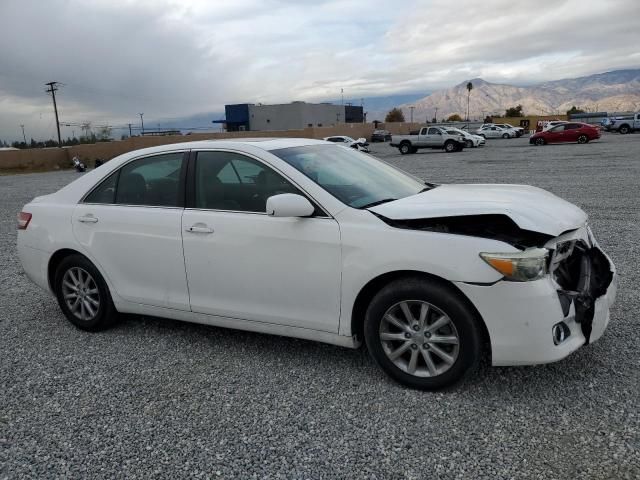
point(626, 124)
point(428, 137)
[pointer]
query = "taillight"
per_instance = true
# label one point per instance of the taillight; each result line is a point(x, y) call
point(23, 220)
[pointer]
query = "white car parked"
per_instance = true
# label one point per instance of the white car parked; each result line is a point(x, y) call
point(306, 239)
point(493, 131)
point(359, 144)
point(470, 140)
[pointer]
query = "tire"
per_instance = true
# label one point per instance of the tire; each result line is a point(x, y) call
point(405, 148)
point(95, 310)
point(445, 306)
point(583, 139)
point(540, 141)
point(624, 129)
point(468, 144)
point(450, 146)
point(505, 135)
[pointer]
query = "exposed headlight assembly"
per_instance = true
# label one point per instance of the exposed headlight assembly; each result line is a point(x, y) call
point(519, 266)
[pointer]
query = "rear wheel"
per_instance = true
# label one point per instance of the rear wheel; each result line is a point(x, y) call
point(540, 141)
point(83, 294)
point(405, 148)
point(583, 139)
point(422, 334)
point(624, 129)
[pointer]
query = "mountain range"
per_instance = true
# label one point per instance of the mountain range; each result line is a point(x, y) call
point(615, 91)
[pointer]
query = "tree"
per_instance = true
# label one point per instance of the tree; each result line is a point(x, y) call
point(394, 115)
point(488, 119)
point(469, 88)
point(514, 112)
point(454, 118)
point(573, 109)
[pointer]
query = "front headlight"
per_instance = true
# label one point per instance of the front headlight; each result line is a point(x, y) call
point(519, 266)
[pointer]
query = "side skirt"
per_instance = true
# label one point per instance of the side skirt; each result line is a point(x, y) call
point(239, 324)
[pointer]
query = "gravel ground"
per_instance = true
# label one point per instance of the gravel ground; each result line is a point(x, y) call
point(159, 398)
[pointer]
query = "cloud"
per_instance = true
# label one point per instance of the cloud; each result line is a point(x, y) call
point(173, 58)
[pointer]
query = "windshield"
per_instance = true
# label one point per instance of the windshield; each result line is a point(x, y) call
point(354, 178)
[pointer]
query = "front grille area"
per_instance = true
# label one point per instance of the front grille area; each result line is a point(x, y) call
point(583, 273)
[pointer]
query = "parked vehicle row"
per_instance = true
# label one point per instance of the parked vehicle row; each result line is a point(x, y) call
point(429, 137)
point(306, 239)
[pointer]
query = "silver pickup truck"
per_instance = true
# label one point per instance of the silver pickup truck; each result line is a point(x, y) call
point(626, 124)
point(428, 137)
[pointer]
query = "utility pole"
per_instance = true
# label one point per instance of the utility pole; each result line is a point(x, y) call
point(435, 115)
point(142, 122)
point(342, 95)
point(412, 108)
point(129, 129)
point(52, 89)
point(23, 135)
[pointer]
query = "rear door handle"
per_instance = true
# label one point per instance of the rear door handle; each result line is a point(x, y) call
point(199, 228)
point(88, 219)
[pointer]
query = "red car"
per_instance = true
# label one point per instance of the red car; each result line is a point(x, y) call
point(566, 132)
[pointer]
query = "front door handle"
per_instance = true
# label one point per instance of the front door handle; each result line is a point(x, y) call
point(199, 228)
point(88, 219)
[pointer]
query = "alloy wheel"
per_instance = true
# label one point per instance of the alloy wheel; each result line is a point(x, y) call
point(80, 293)
point(582, 139)
point(419, 338)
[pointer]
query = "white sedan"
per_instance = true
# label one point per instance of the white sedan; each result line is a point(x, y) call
point(306, 239)
point(470, 140)
point(493, 131)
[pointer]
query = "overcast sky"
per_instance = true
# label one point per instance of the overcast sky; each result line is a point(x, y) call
point(173, 58)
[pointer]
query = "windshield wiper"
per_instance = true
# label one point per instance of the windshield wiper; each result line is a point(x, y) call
point(378, 202)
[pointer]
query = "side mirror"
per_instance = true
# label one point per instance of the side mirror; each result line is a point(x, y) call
point(289, 205)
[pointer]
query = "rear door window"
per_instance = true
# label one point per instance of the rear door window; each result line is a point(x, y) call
point(151, 181)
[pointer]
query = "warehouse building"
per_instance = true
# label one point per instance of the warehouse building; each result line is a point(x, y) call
point(288, 116)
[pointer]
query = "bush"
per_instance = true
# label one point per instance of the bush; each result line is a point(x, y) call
point(454, 118)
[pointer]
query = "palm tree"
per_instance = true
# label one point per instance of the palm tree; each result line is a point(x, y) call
point(469, 88)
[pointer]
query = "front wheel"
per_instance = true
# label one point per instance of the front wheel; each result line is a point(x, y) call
point(540, 141)
point(583, 139)
point(83, 294)
point(505, 135)
point(450, 146)
point(422, 334)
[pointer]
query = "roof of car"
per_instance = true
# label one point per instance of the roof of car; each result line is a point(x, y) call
point(266, 144)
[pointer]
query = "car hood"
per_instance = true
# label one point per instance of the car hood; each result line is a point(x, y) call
point(531, 208)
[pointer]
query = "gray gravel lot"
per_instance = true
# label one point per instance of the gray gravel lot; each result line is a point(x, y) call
point(154, 397)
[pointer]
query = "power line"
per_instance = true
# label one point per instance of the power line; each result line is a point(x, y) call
point(52, 89)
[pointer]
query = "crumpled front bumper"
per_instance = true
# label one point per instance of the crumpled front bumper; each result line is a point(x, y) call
point(520, 316)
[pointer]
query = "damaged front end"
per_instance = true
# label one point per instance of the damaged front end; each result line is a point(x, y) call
point(578, 269)
point(582, 273)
